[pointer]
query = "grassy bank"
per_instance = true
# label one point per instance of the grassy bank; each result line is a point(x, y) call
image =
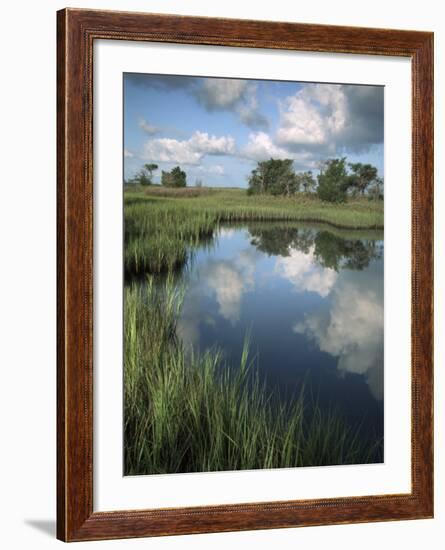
point(192, 414)
point(162, 225)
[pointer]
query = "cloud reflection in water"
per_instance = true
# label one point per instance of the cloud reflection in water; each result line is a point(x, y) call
point(340, 310)
point(351, 327)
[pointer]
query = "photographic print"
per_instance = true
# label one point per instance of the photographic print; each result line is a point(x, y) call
point(222, 283)
point(253, 274)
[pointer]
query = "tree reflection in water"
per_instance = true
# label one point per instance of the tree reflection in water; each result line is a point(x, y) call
point(330, 250)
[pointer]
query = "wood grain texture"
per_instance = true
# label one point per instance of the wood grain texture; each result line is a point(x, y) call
point(76, 32)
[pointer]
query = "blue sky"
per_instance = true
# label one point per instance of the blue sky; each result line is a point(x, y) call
point(217, 129)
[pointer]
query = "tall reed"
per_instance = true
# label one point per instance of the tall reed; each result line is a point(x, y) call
point(195, 413)
point(161, 231)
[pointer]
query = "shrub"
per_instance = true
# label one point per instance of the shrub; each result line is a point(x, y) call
point(175, 178)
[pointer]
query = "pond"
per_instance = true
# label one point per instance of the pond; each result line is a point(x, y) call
point(311, 301)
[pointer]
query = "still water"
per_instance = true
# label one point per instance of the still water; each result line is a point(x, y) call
point(311, 300)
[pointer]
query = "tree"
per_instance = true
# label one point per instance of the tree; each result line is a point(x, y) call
point(150, 168)
point(144, 176)
point(322, 165)
point(333, 181)
point(307, 181)
point(274, 176)
point(175, 178)
point(362, 176)
point(140, 178)
point(257, 179)
point(179, 177)
point(376, 190)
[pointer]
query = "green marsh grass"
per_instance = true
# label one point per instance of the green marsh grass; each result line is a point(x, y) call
point(162, 226)
point(194, 413)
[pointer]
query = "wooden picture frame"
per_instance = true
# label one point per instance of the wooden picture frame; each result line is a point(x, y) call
point(77, 31)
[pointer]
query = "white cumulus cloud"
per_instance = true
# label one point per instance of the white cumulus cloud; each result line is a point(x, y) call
point(312, 116)
point(211, 145)
point(325, 118)
point(189, 151)
point(261, 147)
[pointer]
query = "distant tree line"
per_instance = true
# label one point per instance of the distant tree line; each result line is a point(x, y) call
point(336, 179)
point(175, 178)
